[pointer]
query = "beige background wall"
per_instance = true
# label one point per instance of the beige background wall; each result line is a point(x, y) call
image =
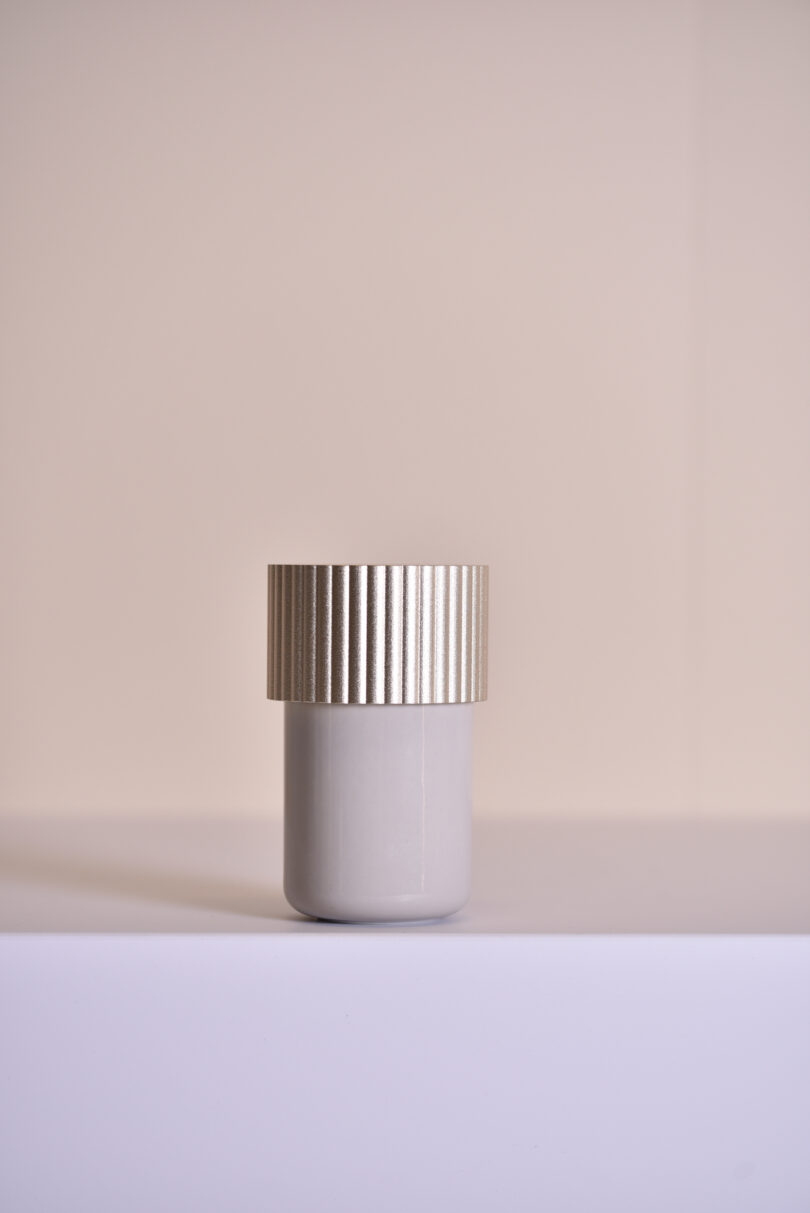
point(518, 282)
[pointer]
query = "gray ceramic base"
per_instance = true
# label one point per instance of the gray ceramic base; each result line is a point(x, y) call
point(377, 810)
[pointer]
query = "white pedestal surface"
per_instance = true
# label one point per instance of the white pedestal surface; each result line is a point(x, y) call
point(619, 1020)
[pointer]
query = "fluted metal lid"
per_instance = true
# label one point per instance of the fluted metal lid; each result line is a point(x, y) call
point(377, 633)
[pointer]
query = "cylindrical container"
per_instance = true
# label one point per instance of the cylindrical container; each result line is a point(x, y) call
point(378, 666)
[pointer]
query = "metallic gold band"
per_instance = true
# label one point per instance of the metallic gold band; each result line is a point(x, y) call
point(377, 633)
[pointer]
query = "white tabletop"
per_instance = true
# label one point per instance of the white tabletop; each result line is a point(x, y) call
point(618, 1021)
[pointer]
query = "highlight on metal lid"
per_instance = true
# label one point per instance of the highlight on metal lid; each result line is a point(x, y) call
point(377, 633)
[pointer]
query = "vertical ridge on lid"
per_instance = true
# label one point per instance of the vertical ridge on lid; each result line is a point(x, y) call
point(426, 637)
point(309, 633)
point(358, 633)
point(323, 638)
point(295, 637)
point(464, 645)
point(440, 634)
point(452, 633)
point(375, 640)
point(272, 648)
point(340, 634)
point(410, 633)
point(394, 632)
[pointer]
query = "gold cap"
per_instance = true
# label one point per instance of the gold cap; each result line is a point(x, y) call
point(377, 633)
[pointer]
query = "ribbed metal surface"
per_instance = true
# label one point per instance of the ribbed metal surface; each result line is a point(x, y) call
point(377, 633)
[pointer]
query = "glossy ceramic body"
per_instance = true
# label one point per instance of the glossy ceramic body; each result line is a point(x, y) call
point(377, 810)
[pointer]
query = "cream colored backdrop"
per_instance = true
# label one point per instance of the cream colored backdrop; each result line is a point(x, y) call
point(526, 283)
